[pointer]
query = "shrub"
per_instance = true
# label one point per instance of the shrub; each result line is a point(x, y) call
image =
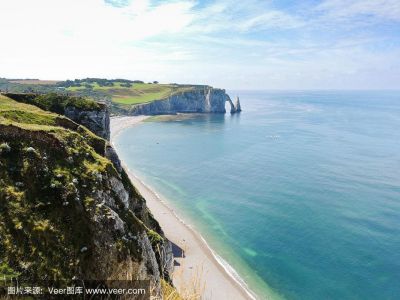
point(5, 148)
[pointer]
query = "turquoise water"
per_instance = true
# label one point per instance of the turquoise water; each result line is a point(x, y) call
point(300, 192)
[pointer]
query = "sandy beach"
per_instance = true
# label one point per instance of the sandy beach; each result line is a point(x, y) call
point(117, 124)
point(200, 266)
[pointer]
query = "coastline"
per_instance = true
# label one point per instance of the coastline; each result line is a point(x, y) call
point(201, 266)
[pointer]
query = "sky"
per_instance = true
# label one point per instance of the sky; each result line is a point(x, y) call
point(248, 44)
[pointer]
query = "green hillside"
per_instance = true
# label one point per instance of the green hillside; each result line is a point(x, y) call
point(135, 93)
point(35, 185)
point(120, 92)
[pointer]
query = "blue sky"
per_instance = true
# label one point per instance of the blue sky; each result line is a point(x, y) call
point(326, 44)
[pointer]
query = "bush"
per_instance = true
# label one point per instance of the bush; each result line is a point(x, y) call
point(127, 85)
point(5, 148)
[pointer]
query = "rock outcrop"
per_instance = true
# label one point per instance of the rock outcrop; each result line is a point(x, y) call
point(237, 105)
point(67, 207)
point(197, 100)
point(96, 120)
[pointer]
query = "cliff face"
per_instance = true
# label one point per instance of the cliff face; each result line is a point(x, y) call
point(67, 208)
point(96, 120)
point(198, 100)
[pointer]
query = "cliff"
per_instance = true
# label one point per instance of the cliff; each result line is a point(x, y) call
point(196, 100)
point(93, 115)
point(67, 208)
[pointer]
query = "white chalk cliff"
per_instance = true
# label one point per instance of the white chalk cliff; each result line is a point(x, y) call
point(204, 99)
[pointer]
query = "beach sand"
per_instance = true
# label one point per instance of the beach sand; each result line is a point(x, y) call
point(117, 124)
point(200, 266)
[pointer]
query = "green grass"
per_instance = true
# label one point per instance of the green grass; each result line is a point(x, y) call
point(141, 93)
point(8, 104)
point(6, 272)
point(19, 116)
point(13, 112)
point(136, 94)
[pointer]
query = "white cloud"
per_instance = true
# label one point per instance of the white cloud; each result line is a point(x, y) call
point(244, 16)
point(270, 19)
point(54, 38)
point(387, 9)
point(226, 43)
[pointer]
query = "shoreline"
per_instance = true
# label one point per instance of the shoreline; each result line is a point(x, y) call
point(201, 266)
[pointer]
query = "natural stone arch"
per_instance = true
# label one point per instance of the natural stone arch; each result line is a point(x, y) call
point(234, 108)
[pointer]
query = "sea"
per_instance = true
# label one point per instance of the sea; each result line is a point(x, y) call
point(299, 193)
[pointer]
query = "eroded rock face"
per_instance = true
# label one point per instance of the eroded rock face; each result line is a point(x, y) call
point(112, 155)
point(199, 100)
point(74, 205)
point(118, 226)
point(97, 121)
point(94, 219)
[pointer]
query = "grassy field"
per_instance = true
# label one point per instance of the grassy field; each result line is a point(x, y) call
point(35, 81)
point(122, 93)
point(137, 93)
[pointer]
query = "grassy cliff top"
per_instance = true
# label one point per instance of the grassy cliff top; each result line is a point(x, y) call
point(134, 93)
point(31, 117)
point(120, 92)
point(31, 125)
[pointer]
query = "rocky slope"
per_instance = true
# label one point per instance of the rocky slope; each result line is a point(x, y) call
point(67, 208)
point(198, 100)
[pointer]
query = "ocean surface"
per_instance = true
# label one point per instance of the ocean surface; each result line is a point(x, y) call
point(300, 193)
